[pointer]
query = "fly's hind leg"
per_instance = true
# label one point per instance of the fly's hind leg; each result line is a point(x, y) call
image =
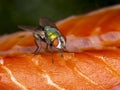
point(46, 48)
point(38, 47)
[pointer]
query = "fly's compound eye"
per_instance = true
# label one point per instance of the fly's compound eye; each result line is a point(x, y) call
point(55, 42)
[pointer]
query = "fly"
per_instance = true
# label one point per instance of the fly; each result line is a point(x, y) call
point(48, 32)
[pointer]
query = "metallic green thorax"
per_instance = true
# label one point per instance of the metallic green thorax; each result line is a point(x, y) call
point(52, 33)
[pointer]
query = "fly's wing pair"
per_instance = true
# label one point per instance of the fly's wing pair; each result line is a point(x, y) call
point(46, 22)
point(43, 22)
point(27, 28)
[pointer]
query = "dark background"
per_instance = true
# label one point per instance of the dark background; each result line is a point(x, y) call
point(28, 12)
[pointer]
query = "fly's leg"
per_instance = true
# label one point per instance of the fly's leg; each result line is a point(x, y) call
point(60, 50)
point(38, 47)
point(46, 47)
point(51, 49)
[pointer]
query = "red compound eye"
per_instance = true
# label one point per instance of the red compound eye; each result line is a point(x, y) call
point(55, 42)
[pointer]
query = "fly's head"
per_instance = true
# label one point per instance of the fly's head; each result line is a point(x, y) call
point(60, 43)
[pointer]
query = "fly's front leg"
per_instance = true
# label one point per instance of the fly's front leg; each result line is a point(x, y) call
point(51, 49)
point(60, 50)
point(38, 47)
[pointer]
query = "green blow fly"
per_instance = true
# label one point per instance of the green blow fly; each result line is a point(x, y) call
point(48, 32)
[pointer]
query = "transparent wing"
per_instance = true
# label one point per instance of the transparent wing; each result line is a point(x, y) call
point(46, 22)
point(26, 28)
point(29, 28)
